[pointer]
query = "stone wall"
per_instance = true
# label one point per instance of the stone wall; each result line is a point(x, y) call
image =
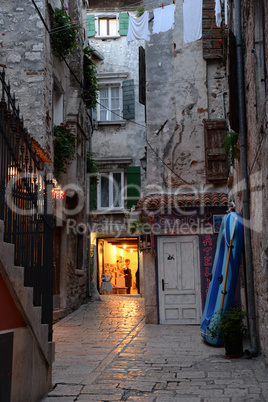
point(119, 57)
point(257, 130)
point(33, 73)
point(23, 47)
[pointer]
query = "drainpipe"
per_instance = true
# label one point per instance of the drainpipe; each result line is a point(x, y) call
point(89, 215)
point(245, 180)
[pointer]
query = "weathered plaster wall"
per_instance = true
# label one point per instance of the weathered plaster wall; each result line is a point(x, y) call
point(128, 140)
point(150, 290)
point(183, 90)
point(31, 375)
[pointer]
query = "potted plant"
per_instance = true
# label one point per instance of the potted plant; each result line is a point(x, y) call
point(228, 327)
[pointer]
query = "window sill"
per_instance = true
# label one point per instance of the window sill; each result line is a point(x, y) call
point(107, 37)
point(121, 123)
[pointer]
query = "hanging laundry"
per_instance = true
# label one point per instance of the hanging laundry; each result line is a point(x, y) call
point(164, 18)
point(192, 20)
point(138, 28)
point(218, 13)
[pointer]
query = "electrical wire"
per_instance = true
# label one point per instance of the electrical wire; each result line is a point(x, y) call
point(164, 163)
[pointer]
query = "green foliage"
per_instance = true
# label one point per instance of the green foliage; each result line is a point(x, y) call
point(64, 149)
point(230, 146)
point(140, 11)
point(228, 324)
point(63, 34)
point(91, 86)
point(139, 227)
point(92, 168)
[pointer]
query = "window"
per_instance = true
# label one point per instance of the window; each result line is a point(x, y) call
point(216, 163)
point(110, 190)
point(109, 105)
point(108, 27)
point(116, 101)
point(111, 25)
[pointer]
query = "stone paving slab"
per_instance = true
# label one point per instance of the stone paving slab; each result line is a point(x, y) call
point(106, 352)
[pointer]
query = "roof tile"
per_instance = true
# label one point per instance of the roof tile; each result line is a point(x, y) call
point(163, 201)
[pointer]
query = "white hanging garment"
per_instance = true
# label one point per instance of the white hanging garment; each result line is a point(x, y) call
point(164, 18)
point(192, 20)
point(138, 28)
point(218, 13)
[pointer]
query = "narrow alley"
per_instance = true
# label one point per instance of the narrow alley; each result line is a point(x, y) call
point(106, 352)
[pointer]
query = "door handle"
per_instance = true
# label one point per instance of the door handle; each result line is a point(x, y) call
point(163, 285)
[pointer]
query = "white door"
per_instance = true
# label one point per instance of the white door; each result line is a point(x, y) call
point(178, 281)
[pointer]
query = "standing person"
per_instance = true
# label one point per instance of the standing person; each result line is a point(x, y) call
point(128, 276)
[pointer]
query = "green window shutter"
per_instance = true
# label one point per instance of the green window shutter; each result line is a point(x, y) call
point(128, 100)
point(91, 25)
point(133, 185)
point(123, 24)
point(93, 203)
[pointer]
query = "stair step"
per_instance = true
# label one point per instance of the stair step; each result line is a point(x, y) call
point(23, 296)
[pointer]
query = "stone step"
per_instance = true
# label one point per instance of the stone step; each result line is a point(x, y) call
point(23, 297)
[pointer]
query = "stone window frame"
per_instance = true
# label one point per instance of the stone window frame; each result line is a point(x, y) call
point(109, 80)
point(109, 174)
point(106, 16)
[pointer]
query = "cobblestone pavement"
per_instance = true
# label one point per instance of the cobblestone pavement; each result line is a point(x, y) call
point(105, 352)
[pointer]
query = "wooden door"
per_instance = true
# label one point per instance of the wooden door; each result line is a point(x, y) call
point(179, 280)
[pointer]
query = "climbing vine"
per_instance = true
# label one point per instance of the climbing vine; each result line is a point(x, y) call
point(91, 86)
point(63, 34)
point(64, 148)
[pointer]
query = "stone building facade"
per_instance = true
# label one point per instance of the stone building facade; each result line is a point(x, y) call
point(49, 91)
point(186, 192)
point(252, 123)
point(118, 141)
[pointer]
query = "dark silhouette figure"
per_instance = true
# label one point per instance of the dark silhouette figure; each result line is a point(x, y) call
point(128, 276)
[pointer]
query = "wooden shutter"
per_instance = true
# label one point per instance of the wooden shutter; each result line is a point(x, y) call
point(142, 76)
point(216, 162)
point(123, 24)
point(128, 99)
point(93, 204)
point(91, 25)
point(133, 185)
point(210, 32)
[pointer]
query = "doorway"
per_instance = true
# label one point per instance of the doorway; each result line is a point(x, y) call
point(178, 282)
point(118, 264)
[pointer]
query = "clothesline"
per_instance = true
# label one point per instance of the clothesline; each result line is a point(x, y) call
point(164, 20)
point(161, 5)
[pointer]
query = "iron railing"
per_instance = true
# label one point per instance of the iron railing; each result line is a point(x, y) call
point(26, 204)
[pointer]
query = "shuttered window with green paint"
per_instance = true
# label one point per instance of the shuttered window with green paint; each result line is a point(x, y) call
point(91, 31)
point(128, 99)
point(93, 201)
point(133, 185)
point(123, 24)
